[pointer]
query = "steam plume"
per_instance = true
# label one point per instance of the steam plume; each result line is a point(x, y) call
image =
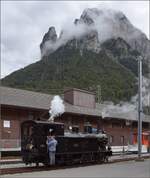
point(57, 108)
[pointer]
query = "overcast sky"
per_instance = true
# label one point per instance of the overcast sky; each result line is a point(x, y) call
point(24, 23)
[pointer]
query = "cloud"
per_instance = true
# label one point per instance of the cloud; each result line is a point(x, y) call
point(68, 33)
point(23, 24)
point(103, 22)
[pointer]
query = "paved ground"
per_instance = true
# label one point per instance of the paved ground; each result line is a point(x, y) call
point(17, 162)
point(130, 169)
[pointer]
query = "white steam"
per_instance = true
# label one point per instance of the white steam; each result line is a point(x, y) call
point(57, 108)
point(121, 108)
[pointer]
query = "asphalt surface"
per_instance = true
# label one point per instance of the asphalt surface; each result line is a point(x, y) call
point(15, 163)
point(128, 169)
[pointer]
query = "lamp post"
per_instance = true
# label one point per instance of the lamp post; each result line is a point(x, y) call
point(139, 106)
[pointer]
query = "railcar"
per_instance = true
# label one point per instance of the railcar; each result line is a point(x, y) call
point(145, 141)
point(71, 148)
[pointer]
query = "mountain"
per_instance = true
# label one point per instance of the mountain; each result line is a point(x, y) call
point(99, 26)
point(100, 48)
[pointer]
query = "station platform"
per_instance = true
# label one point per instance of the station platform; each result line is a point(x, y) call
point(113, 158)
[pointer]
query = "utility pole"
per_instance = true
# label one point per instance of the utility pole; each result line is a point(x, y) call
point(148, 103)
point(139, 107)
point(99, 94)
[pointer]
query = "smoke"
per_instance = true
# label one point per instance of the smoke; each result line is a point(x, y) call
point(57, 108)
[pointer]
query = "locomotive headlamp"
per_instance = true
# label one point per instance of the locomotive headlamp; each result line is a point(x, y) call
point(70, 127)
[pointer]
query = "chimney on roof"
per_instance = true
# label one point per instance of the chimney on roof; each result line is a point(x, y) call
point(80, 97)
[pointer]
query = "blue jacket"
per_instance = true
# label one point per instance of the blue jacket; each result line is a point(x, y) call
point(52, 143)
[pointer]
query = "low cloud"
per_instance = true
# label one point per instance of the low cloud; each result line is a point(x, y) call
point(108, 23)
point(70, 32)
point(132, 106)
point(23, 24)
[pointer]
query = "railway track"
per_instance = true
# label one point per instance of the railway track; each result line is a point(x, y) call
point(40, 168)
point(25, 169)
point(17, 170)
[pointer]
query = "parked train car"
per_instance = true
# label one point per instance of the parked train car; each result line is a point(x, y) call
point(145, 141)
point(72, 147)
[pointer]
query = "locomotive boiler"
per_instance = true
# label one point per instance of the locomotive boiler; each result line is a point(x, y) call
point(72, 147)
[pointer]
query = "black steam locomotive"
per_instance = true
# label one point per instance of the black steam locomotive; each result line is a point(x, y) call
point(73, 147)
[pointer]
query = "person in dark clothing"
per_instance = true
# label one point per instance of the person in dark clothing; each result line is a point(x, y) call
point(108, 153)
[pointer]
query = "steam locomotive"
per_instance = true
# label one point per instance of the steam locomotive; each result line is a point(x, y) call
point(73, 147)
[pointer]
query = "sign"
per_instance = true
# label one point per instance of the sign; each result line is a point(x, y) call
point(6, 124)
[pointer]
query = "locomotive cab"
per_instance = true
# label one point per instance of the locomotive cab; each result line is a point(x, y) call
point(33, 139)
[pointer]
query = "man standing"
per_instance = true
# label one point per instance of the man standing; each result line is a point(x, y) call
point(51, 143)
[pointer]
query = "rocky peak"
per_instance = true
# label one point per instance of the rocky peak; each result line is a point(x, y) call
point(114, 24)
point(92, 15)
point(99, 25)
point(86, 18)
point(89, 41)
point(50, 37)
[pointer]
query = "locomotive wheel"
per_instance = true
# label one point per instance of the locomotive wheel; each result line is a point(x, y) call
point(82, 158)
point(70, 160)
point(46, 164)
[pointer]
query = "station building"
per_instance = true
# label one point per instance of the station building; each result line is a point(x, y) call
point(80, 108)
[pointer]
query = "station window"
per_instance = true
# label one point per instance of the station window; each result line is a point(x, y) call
point(6, 124)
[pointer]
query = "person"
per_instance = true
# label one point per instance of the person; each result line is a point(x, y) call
point(51, 143)
point(109, 153)
point(109, 150)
